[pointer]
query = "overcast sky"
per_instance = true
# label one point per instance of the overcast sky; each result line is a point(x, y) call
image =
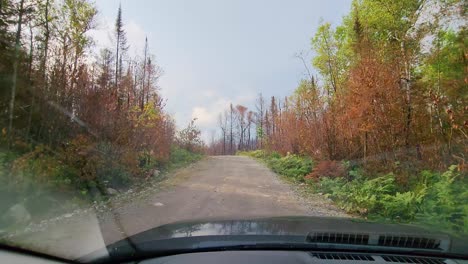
point(214, 52)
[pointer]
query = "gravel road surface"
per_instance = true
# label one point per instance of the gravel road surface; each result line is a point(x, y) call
point(229, 187)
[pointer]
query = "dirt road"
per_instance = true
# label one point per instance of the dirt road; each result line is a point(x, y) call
point(224, 186)
point(216, 187)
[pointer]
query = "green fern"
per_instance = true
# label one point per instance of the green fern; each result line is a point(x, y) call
point(437, 199)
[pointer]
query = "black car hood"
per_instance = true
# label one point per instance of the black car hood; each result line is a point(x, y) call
point(220, 233)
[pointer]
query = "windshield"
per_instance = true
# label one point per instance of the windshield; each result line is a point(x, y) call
point(118, 117)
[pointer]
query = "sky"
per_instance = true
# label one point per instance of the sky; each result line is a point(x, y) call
point(214, 52)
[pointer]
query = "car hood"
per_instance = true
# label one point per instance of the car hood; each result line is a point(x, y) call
point(339, 233)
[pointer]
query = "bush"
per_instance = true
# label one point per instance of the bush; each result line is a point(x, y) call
point(327, 168)
point(114, 167)
point(333, 188)
point(292, 166)
point(181, 157)
point(100, 165)
point(274, 155)
point(79, 166)
point(39, 166)
point(258, 154)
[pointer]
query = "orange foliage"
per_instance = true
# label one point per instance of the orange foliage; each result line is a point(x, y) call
point(371, 114)
point(372, 122)
point(327, 168)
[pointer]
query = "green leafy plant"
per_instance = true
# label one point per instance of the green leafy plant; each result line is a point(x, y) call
point(292, 166)
point(437, 199)
point(445, 203)
point(180, 157)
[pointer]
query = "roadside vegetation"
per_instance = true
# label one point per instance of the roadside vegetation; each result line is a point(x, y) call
point(78, 124)
point(433, 199)
point(378, 123)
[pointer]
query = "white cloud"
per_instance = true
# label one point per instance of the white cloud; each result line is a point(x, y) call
point(103, 35)
point(136, 38)
point(207, 116)
point(207, 113)
point(203, 115)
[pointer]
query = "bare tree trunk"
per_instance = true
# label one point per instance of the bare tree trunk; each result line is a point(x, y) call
point(231, 136)
point(224, 142)
point(117, 70)
point(248, 137)
point(33, 96)
point(407, 85)
point(144, 77)
point(135, 80)
point(329, 64)
point(15, 75)
point(260, 108)
point(46, 46)
point(148, 85)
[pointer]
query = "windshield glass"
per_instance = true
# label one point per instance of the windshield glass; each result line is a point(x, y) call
point(118, 117)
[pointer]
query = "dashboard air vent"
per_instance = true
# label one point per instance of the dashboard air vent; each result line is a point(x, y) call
point(405, 259)
point(408, 242)
point(342, 256)
point(340, 238)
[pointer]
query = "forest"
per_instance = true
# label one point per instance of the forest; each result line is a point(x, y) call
point(76, 121)
point(379, 124)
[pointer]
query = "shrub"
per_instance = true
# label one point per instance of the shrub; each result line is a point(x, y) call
point(331, 187)
point(274, 155)
point(258, 154)
point(180, 157)
point(38, 166)
point(327, 168)
point(114, 167)
point(147, 162)
point(292, 166)
point(100, 165)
